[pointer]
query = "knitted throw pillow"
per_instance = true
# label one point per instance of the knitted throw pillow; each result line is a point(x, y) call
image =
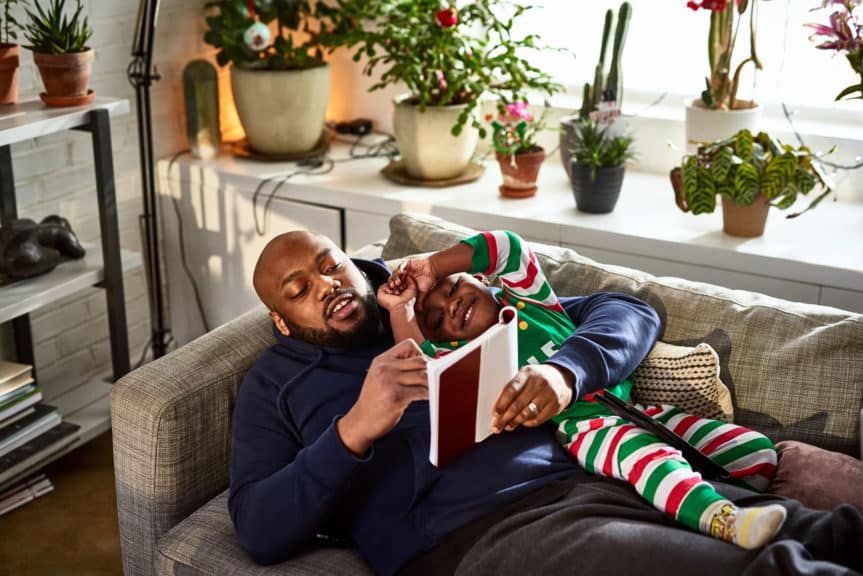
point(685, 377)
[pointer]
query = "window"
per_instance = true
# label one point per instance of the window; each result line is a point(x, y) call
point(666, 50)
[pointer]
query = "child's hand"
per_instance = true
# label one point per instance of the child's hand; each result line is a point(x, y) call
point(393, 295)
point(420, 270)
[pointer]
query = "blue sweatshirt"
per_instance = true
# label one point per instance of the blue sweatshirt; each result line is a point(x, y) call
point(292, 478)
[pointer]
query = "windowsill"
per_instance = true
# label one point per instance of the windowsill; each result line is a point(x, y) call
point(820, 248)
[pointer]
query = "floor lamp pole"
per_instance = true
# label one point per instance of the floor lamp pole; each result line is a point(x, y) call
point(142, 75)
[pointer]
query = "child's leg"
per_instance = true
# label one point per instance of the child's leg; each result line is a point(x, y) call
point(612, 447)
point(748, 455)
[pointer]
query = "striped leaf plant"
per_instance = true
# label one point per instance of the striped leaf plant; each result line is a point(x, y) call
point(744, 167)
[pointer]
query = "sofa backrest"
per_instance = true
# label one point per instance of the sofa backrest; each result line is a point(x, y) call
point(795, 370)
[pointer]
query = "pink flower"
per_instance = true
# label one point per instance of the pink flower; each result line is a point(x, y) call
point(712, 5)
point(441, 81)
point(519, 110)
point(843, 32)
point(447, 18)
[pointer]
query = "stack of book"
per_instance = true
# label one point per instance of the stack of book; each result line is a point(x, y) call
point(30, 431)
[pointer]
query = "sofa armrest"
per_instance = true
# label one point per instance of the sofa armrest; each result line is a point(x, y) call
point(171, 424)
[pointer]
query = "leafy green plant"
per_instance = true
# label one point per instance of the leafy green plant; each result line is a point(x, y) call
point(446, 53)
point(743, 168)
point(51, 31)
point(9, 26)
point(294, 46)
point(596, 148)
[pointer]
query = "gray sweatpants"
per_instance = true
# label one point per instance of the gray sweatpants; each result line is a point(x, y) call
point(601, 526)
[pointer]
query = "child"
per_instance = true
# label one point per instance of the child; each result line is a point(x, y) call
point(457, 307)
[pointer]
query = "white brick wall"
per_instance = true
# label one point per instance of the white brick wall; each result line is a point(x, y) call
point(55, 174)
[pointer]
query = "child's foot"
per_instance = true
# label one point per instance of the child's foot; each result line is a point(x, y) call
point(747, 527)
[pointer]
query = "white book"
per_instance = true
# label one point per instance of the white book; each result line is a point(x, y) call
point(464, 385)
point(21, 404)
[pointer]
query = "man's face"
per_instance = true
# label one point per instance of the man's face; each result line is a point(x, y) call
point(458, 307)
point(317, 294)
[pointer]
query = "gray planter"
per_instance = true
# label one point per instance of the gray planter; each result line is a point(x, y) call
point(597, 196)
point(567, 142)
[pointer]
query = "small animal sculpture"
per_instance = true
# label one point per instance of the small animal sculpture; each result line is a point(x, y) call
point(29, 249)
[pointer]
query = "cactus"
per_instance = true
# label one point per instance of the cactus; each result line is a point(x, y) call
point(608, 87)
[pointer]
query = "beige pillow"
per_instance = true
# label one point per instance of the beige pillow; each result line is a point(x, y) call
point(685, 377)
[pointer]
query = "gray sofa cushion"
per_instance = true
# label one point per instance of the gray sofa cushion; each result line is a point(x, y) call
point(205, 543)
point(795, 370)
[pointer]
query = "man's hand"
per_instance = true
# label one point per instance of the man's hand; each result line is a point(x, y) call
point(546, 386)
point(395, 378)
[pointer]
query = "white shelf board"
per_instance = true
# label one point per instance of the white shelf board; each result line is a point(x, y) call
point(31, 119)
point(25, 296)
point(822, 247)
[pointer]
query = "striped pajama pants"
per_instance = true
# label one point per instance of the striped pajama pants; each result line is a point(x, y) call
point(613, 447)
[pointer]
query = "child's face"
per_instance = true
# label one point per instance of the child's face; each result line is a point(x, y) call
point(458, 307)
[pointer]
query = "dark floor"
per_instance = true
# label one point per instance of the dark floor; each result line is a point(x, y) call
point(73, 530)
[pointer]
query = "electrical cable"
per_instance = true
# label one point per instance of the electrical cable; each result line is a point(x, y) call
point(182, 246)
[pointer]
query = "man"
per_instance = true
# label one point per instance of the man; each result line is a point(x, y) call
point(331, 437)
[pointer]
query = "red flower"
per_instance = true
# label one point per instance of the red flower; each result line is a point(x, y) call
point(447, 18)
point(712, 5)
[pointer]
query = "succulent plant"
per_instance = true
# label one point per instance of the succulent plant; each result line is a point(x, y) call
point(743, 167)
point(608, 87)
point(51, 31)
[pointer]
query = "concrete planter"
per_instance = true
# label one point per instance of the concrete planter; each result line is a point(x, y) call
point(428, 148)
point(704, 125)
point(596, 195)
point(282, 111)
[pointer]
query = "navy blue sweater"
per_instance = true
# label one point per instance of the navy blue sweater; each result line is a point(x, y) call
point(292, 478)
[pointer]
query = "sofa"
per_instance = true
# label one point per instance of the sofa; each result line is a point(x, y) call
point(795, 372)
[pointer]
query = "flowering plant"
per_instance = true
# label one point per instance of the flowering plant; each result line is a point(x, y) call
point(515, 128)
point(721, 90)
point(844, 34)
point(446, 53)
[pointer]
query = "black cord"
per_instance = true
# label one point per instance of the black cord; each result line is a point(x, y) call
point(181, 241)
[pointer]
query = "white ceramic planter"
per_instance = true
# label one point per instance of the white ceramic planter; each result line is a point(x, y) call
point(706, 125)
point(427, 147)
point(282, 111)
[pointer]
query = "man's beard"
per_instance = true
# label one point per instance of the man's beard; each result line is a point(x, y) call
point(360, 335)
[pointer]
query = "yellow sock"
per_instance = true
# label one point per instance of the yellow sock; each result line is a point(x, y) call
point(747, 527)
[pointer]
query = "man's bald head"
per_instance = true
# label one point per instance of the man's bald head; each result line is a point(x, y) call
point(277, 255)
point(314, 292)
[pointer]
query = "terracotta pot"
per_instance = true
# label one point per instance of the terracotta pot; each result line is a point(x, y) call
point(520, 172)
point(426, 143)
point(65, 75)
point(706, 125)
point(282, 111)
point(9, 60)
point(744, 221)
point(597, 195)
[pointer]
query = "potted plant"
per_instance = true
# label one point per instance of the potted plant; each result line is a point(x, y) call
point(9, 54)
point(60, 51)
point(516, 150)
point(750, 174)
point(279, 80)
point(605, 95)
point(599, 158)
point(719, 113)
point(448, 57)
point(844, 34)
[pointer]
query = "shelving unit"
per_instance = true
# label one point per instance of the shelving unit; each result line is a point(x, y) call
point(87, 405)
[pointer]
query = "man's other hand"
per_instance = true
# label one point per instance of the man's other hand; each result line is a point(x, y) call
point(395, 378)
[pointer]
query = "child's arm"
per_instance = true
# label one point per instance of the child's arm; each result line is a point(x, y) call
point(400, 304)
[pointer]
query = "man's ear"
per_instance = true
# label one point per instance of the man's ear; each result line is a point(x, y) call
point(482, 278)
point(280, 324)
